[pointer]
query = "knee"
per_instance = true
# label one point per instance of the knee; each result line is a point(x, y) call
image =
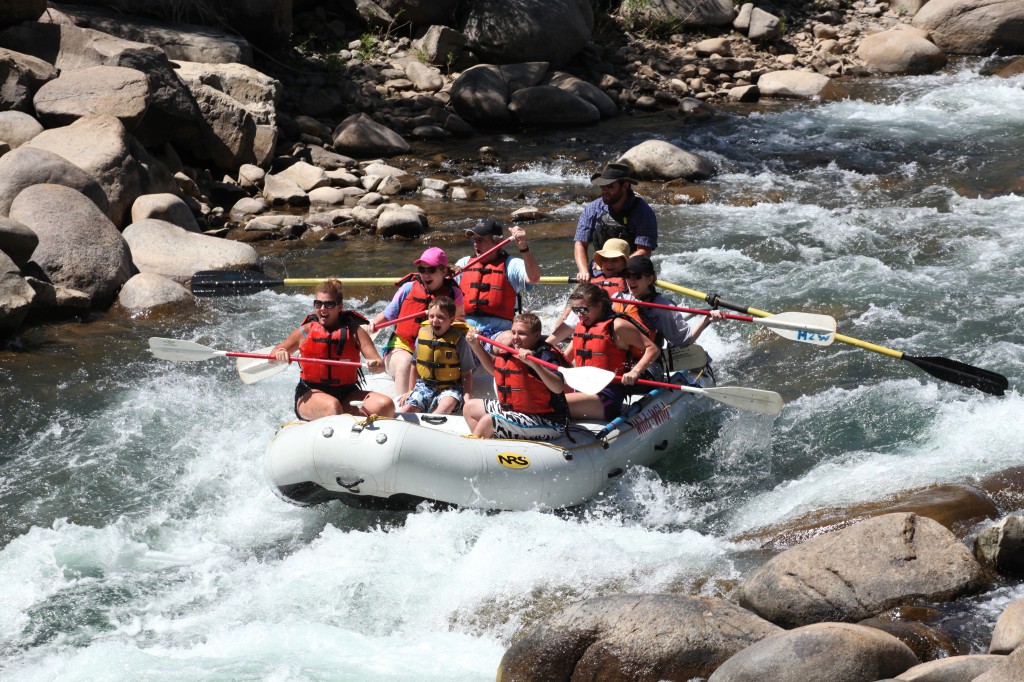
point(379, 404)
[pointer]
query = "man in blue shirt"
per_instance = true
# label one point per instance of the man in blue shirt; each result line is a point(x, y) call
point(618, 213)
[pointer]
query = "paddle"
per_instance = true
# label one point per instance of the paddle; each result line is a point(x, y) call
point(953, 371)
point(805, 327)
point(189, 351)
point(212, 283)
point(589, 380)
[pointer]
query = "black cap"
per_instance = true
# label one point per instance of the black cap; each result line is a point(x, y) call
point(640, 265)
point(613, 172)
point(485, 228)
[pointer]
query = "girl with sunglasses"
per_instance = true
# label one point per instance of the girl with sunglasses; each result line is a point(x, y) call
point(333, 333)
point(416, 291)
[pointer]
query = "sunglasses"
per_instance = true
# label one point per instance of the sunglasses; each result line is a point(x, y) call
point(580, 309)
point(330, 305)
point(423, 270)
point(632, 275)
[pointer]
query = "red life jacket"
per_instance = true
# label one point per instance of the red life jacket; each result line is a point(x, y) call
point(595, 346)
point(521, 390)
point(417, 301)
point(341, 344)
point(488, 289)
point(613, 285)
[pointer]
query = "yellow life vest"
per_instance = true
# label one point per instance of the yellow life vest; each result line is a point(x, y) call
point(437, 358)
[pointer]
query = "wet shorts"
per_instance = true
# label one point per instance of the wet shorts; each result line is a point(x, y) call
point(522, 425)
point(426, 398)
point(612, 396)
point(340, 393)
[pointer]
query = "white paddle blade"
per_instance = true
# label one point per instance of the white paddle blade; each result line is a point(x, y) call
point(753, 399)
point(176, 349)
point(688, 357)
point(251, 370)
point(819, 330)
point(589, 380)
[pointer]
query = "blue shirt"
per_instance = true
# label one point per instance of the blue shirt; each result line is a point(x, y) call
point(639, 216)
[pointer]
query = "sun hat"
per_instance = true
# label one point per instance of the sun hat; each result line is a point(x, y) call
point(484, 228)
point(640, 265)
point(613, 172)
point(613, 248)
point(432, 257)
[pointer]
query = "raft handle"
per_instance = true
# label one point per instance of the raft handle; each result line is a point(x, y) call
point(351, 487)
point(615, 472)
point(663, 445)
point(434, 420)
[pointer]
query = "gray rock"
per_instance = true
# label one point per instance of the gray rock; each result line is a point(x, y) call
point(257, 92)
point(16, 296)
point(837, 652)
point(27, 166)
point(424, 78)
point(660, 160)
point(53, 302)
point(360, 136)
point(481, 94)
point(148, 290)
point(800, 85)
point(634, 637)
point(952, 669)
point(248, 206)
point(510, 31)
point(17, 241)
point(165, 249)
point(1008, 634)
point(1001, 547)
point(168, 207)
point(79, 247)
point(546, 105)
point(1011, 669)
point(441, 45)
point(764, 26)
point(17, 128)
point(100, 146)
point(279, 191)
point(401, 223)
point(233, 129)
point(94, 91)
point(584, 90)
point(974, 26)
point(862, 570)
point(305, 175)
point(21, 76)
point(902, 51)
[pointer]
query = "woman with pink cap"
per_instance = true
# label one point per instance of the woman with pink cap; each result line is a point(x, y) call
point(416, 290)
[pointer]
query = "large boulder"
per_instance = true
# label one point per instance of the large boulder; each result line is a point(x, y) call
point(149, 290)
point(480, 94)
point(663, 161)
point(17, 241)
point(584, 90)
point(179, 41)
point(800, 85)
point(79, 248)
point(630, 637)
point(231, 141)
point(27, 166)
point(17, 128)
point(361, 137)
point(1008, 634)
point(510, 31)
point(166, 249)
point(101, 147)
point(15, 11)
point(862, 570)
point(256, 91)
point(94, 91)
point(904, 51)
point(1011, 669)
point(21, 76)
point(16, 296)
point(165, 206)
point(952, 669)
point(421, 12)
point(546, 105)
point(1001, 547)
point(837, 652)
point(689, 13)
point(974, 26)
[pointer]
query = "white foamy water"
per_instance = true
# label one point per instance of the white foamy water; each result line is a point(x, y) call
point(143, 543)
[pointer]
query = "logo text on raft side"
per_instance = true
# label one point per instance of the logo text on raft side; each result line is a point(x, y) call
point(804, 335)
point(511, 460)
point(650, 418)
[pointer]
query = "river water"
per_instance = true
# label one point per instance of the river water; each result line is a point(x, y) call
point(140, 541)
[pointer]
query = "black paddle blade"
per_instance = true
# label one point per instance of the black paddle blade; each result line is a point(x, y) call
point(962, 374)
point(209, 283)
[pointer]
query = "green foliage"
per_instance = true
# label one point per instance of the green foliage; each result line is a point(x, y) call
point(367, 43)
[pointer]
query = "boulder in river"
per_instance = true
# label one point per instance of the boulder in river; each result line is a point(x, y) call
point(662, 161)
point(148, 290)
point(168, 250)
point(862, 570)
point(16, 295)
point(974, 26)
point(1008, 635)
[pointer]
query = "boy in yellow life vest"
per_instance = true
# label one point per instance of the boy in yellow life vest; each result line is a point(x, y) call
point(442, 375)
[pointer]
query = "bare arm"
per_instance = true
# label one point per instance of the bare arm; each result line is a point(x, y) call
point(582, 262)
point(369, 351)
point(283, 351)
point(641, 251)
point(626, 336)
point(485, 358)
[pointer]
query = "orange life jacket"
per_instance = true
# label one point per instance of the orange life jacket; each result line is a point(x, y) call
point(340, 344)
point(595, 346)
point(488, 289)
point(613, 285)
point(521, 390)
point(417, 301)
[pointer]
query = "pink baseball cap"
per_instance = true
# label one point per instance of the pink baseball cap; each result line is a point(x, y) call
point(432, 256)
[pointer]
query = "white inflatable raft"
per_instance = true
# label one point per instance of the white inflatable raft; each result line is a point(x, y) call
point(398, 463)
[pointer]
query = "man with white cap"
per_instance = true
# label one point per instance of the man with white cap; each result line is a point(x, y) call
point(492, 286)
point(617, 214)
